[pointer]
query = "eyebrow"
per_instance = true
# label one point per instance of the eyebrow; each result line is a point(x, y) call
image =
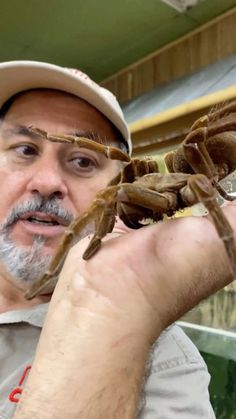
point(18, 130)
point(25, 131)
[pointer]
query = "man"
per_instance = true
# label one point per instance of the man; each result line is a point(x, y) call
point(97, 356)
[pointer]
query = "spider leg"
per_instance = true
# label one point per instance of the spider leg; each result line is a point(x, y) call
point(196, 153)
point(105, 226)
point(144, 197)
point(204, 191)
point(131, 214)
point(75, 231)
point(223, 111)
point(199, 159)
point(223, 192)
point(112, 153)
point(110, 199)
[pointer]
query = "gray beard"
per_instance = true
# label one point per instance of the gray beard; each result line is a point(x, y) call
point(24, 264)
point(28, 263)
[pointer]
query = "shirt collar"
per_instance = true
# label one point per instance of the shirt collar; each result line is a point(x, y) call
point(33, 315)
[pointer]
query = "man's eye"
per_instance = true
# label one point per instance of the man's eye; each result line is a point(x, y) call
point(25, 150)
point(84, 163)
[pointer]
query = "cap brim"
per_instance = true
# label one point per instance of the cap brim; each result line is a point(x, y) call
point(17, 76)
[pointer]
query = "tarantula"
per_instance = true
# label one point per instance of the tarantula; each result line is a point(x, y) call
point(139, 191)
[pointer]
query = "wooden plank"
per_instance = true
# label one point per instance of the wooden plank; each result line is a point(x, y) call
point(199, 48)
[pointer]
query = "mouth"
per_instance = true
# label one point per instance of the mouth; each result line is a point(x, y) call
point(43, 219)
point(42, 223)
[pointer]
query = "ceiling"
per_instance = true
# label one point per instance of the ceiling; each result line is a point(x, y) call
point(98, 36)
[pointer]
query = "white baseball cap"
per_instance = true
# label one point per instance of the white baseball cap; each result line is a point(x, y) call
point(18, 76)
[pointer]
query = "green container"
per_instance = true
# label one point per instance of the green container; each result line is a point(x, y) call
point(218, 348)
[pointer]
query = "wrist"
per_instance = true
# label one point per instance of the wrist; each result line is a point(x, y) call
point(109, 300)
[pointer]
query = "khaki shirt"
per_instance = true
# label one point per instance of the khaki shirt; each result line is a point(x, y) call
point(177, 387)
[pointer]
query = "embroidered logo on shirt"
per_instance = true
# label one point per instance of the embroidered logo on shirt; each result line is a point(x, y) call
point(18, 390)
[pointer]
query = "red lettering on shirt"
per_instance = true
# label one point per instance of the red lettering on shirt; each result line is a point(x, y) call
point(18, 390)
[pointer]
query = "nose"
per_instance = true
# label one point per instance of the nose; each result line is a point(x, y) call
point(47, 179)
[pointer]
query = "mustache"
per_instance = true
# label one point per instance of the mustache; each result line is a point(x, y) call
point(51, 206)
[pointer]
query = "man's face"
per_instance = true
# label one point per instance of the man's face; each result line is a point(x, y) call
point(44, 185)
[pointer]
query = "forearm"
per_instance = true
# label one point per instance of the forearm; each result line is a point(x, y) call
point(95, 372)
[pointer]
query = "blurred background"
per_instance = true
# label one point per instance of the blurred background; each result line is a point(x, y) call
point(168, 62)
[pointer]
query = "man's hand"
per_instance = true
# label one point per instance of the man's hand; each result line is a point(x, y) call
point(106, 313)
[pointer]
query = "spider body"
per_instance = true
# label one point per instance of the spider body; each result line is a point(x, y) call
point(139, 191)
